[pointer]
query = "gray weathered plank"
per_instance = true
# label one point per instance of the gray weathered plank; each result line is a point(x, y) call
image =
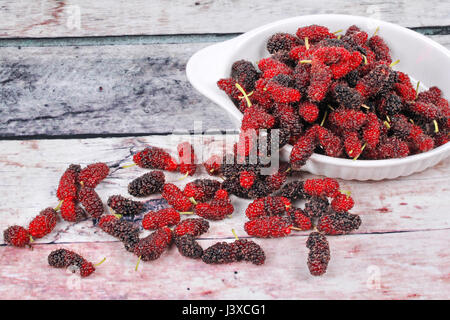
point(68, 18)
point(105, 89)
point(56, 90)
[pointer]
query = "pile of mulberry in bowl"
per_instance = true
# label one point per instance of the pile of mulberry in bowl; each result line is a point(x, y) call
point(336, 94)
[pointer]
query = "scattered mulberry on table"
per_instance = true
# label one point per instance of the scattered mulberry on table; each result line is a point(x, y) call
point(188, 246)
point(319, 253)
point(127, 232)
point(43, 223)
point(300, 219)
point(16, 236)
point(71, 211)
point(268, 227)
point(316, 207)
point(293, 191)
point(248, 250)
point(124, 206)
point(188, 160)
point(219, 253)
point(212, 165)
point(247, 179)
point(68, 184)
point(268, 206)
point(338, 223)
point(342, 203)
point(147, 184)
point(302, 151)
point(91, 202)
point(93, 174)
point(161, 218)
point(175, 197)
point(219, 207)
point(151, 247)
point(192, 226)
point(63, 258)
point(155, 158)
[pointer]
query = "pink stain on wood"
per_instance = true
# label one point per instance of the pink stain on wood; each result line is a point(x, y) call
point(55, 13)
point(406, 217)
point(403, 203)
point(383, 210)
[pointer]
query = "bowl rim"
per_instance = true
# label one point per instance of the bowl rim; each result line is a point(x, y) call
point(324, 159)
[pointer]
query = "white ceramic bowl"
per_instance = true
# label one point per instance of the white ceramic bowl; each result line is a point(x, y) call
point(420, 57)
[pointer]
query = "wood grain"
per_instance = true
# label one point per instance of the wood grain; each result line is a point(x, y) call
point(124, 89)
point(75, 18)
point(104, 89)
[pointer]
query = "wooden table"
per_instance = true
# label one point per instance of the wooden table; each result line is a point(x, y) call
point(83, 82)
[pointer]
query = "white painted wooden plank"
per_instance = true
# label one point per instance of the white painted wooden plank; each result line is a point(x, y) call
point(31, 169)
point(410, 265)
point(70, 18)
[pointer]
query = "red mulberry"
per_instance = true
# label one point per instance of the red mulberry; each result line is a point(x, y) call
point(71, 211)
point(68, 184)
point(16, 236)
point(176, 198)
point(93, 174)
point(155, 158)
point(268, 227)
point(319, 253)
point(43, 224)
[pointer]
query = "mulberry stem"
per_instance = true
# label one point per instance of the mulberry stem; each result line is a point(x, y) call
point(244, 93)
point(417, 90)
point(376, 31)
point(137, 264)
point(128, 166)
point(362, 149)
point(324, 117)
point(234, 233)
point(394, 63)
point(96, 265)
point(59, 205)
point(307, 43)
point(184, 177)
point(436, 127)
